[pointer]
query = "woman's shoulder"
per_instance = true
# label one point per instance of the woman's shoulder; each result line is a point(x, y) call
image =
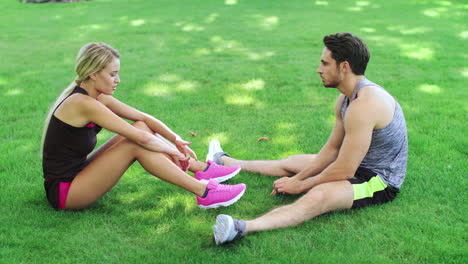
point(77, 103)
point(80, 99)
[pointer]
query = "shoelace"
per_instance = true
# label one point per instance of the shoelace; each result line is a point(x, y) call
point(221, 188)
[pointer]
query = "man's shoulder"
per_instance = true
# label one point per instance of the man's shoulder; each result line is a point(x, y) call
point(371, 94)
point(373, 103)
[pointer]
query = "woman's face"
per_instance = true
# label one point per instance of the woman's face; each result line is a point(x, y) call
point(107, 79)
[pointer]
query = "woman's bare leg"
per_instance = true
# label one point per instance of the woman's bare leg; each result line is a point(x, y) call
point(194, 165)
point(105, 170)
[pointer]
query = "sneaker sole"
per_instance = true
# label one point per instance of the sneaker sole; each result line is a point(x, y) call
point(223, 227)
point(224, 178)
point(224, 204)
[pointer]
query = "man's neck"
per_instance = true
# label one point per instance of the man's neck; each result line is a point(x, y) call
point(348, 84)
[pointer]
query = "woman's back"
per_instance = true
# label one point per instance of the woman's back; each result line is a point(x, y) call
point(66, 147)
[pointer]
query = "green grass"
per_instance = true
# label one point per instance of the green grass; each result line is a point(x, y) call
point(239, 72)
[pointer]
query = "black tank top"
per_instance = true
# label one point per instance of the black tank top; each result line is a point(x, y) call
point(66, 147)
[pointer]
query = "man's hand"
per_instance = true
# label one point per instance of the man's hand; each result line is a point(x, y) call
point(289, 185)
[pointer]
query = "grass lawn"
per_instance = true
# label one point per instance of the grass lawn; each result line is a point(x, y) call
point(237, 70)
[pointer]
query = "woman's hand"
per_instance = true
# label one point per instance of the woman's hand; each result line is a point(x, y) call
point(289, 185)
point(182, 146)
point(182, 162)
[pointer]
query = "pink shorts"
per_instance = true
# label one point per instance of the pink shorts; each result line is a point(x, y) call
point(57, 192)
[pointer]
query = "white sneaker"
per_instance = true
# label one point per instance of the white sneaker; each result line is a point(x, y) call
point(225, 229)
point(213, 148)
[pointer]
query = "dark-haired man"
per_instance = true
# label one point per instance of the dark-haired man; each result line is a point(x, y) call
point(362, 163)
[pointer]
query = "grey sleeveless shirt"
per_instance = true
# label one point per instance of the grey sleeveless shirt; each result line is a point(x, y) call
point(388, 152)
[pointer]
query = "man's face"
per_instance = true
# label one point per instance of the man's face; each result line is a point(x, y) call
point(328, 70)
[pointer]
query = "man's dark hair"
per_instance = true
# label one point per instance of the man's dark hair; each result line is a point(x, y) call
point(347, 47)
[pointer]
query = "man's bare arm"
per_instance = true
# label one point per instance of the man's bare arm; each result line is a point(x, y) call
point(329, 151)
point(359, 124)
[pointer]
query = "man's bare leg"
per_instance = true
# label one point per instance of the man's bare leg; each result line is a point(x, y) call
point(283, 167)
point(321, 199)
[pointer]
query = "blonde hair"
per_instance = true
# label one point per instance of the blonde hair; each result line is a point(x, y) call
point(92, 57)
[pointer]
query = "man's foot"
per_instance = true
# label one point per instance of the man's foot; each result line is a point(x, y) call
point(217, 172)
point(227, 229)
point(221, 195)
point(215, 152)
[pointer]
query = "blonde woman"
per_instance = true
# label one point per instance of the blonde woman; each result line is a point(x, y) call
point(75, 177)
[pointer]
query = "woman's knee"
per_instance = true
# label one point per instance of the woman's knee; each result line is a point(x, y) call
point(141, 125)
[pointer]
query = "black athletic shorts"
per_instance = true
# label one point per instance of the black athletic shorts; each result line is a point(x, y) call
point(56, 192)
point(370, 189)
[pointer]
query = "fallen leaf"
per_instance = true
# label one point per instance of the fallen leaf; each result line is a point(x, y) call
point(193, 134)
point(262, 138)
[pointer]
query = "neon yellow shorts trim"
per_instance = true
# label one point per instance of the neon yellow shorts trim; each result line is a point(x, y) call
point(367, 189)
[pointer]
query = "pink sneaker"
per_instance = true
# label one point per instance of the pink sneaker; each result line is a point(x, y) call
point(221, 195)
point(217, 172)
